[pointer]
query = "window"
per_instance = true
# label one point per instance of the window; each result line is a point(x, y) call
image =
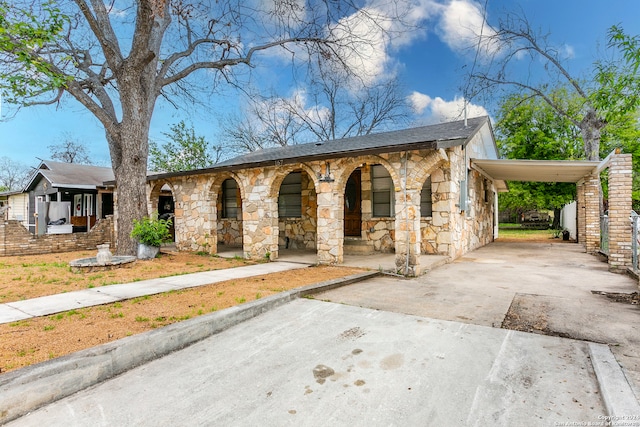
point(290, 199)
point(229, 198)
point(426, 207)
point(382, 192)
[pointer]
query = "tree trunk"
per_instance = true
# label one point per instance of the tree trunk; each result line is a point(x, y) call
point(556, 218)
point(130, 170)
point(590, 128)
point(129, 153)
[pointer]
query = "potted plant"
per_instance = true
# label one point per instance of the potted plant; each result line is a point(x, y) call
point(150, 234)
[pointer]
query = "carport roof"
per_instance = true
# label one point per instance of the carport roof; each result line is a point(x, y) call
point(536, 170)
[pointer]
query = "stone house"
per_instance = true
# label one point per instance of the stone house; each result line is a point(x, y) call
point(410, 192)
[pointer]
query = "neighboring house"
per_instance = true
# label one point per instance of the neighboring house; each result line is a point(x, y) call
point(14, 205)
point(67, 197)
point(409, 192)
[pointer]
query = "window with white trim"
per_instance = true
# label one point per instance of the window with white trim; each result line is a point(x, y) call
point(426, 206)
point(382, 192)
point(290, 197)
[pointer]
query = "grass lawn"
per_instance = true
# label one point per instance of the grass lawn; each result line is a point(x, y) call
point(511, 232)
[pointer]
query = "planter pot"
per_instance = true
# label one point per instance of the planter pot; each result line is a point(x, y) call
point(147, 252)
point(104, 254)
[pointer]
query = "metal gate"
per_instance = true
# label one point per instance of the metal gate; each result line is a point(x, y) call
point(604, 234)
point(635, 234)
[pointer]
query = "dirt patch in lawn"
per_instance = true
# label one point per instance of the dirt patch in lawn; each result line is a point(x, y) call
point(35, 340)
point(26, 277)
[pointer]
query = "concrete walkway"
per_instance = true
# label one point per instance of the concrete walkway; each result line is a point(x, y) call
point(44, 306)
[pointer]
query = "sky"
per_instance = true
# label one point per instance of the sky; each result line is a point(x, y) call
point(429, 61)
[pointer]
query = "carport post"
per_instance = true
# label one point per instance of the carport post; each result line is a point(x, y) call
point(620, 181)
point(589, 212)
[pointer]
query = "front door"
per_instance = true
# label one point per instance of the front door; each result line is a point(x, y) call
point(352, 211)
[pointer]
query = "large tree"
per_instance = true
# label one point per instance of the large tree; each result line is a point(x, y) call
point(116, 58)
point(517, 56)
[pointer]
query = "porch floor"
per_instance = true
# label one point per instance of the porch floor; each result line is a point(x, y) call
point(377, 261)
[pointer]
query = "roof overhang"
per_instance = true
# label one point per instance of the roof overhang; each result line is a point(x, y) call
point(536, 170)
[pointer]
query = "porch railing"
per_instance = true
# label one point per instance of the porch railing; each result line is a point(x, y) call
point(604, 234)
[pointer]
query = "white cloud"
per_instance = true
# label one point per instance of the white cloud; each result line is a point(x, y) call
point(568, 52)
point(365, 35)
point(437, 110)
point(462, 25)
point(419, 101)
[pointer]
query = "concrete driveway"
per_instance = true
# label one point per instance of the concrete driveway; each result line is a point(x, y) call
point(384, 352)
point(546, 288)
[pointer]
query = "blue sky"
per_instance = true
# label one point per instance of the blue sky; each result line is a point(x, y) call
point(428, 63)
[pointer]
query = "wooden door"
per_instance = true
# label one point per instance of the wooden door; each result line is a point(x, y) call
point(352, 203)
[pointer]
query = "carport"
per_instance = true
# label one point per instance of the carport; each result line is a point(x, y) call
point(586, 176)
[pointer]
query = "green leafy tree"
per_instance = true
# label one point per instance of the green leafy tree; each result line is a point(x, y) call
point(612, 90)
point(117, 58)
point(184, 151)
point(529, 128)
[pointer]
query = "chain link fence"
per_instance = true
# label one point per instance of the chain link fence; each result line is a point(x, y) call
point(635, 234)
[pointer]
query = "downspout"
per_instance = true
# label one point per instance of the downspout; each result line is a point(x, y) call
point(406, 215)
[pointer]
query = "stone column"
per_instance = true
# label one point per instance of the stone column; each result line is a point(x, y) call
point(330, 234)
point(407, 228)
point(620, 232)
point(260, 224)
point(591, 213)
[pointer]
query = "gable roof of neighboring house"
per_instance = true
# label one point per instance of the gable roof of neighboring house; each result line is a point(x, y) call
point(70, 175)
point(442, 135)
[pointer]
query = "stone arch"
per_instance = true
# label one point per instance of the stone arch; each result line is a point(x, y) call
point(214, 184)
point(424, 168)
point(299, 232)
point(164, 204)
point(226, 233)
point(347, 166)
point(285, 170)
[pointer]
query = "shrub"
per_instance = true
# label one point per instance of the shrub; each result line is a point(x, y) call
point(151, 232)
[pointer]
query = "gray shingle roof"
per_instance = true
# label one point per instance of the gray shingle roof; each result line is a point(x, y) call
point(72, 175)
point(432, 136)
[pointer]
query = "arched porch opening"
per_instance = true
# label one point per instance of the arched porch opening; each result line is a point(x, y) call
point(229, 226)
point(162, 204)
point(297, 212)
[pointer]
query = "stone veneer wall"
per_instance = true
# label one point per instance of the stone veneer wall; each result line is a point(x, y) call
point(381, 233)
point(321, 225)
point(230, 232)
point(15, 239)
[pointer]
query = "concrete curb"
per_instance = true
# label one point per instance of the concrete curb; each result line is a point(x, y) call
point(34, 386)
point(616, 392)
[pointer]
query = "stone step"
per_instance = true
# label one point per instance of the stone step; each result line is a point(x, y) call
point(356, 246)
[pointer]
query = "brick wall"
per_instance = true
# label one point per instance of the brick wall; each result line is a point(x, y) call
point(16, 240)
point(620, 181)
